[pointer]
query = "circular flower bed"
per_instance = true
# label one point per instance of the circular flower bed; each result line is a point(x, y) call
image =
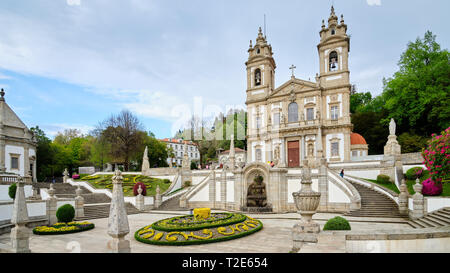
point(63, 228)
point(185, 230)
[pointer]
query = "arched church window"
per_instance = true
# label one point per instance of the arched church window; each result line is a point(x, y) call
point(333, 31)
point(293, 112)
point(258, 50)
point(258, 76)
point(333, 61)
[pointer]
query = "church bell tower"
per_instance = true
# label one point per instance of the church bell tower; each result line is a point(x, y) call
point(334, 48)
point(260, 69)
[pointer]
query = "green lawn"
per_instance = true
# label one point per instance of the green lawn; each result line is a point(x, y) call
point(105, 182)
point(410, 184)
point(390, 186)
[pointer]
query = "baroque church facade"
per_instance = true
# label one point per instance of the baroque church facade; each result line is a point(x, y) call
point(301, 120)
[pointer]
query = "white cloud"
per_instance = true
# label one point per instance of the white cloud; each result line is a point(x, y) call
point(51, 130)
point(374, 2)
point(4, 77)
point(73, 2)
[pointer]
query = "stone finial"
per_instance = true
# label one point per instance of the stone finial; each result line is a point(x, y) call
point(158, 190)
point(251, 44)
point(139, 190)
point(20, 212)
point(20, 234)
point(2, 94)
point(342, 19)
point(118, 220)
point(418, 202)
point(332, 10)
point(78, 191)
point(323, 24)
point(418, 186)
point(51, 191)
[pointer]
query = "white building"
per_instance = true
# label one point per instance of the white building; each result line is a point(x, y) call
point(17, 143)
point(177, 146)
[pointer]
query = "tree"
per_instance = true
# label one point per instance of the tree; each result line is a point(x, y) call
point(411, 143)
point(44, 153)
point(418, 95)
point(125, 135)
point(66, 137)
point(359, 101)
point(369, 126)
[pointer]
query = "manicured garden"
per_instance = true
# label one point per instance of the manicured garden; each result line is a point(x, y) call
point(129, 181)
point(65, 215)
point(190, 230)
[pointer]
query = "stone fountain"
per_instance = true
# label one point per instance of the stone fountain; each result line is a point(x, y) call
point(307, 201)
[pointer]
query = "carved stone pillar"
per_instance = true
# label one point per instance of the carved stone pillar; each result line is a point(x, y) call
point(418, 202)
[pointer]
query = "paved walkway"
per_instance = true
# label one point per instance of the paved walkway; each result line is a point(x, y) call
point(275, 237)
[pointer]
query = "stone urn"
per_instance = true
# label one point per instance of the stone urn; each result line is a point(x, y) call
point(306, 200)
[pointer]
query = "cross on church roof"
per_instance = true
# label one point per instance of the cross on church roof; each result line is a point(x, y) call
point(292, 68)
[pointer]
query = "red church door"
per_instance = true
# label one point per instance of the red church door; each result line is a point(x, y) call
point(293, 154)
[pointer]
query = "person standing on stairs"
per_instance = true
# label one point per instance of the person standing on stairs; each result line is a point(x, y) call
point(342, 173)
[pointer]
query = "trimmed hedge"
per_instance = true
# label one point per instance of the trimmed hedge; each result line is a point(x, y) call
point(53, 230)
point(383, 179)
point(232, 219)
point(12, 190)
point(196, 242)
point(337, 223)
point(65, 213)
point(411, 173)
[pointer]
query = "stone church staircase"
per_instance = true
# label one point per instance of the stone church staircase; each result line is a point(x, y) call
point(374, 204)
point(96, 205)
point(439, 218)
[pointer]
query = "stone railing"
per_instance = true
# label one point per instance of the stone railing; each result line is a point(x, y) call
point(412, 158)
point(9, 179)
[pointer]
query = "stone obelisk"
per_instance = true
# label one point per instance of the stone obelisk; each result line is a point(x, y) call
point(118, 220)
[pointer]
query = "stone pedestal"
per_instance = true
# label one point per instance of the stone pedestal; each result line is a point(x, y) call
point(403, 199)
point(79, 203)
point(118, 219)
point(418, 201)
point(140, 201)
point(307, 202)
point(52, 206)
point(20, 234)
point(158, 197)
point(392, 147)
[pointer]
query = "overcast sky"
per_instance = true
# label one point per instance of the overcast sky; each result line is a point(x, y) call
point(73, 63)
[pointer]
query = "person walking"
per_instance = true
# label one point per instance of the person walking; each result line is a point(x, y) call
point(342, 173)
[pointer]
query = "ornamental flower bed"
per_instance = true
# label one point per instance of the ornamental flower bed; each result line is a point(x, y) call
point(437, 157)
point(430, 188)
point(63, 228)
point(76, 176)
point(186, 230)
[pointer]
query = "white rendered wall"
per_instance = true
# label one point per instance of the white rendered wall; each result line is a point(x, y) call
point(4, 196)
point(60, 203)
point(202, 195)
point(10, 149)
point(294, 185)
point(33, 208)
point(435, 203)
point(230, 191)
point(218, 191)
point(335, 194)
point(369, 174)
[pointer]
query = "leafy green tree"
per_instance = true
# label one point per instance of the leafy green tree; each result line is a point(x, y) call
point(44, 154)
point(418, 95)
point(369, 126)
point(412, 143)
point(359, 101)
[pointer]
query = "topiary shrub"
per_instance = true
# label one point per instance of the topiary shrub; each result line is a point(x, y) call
point(65, 213)
point(12, 190)
point(383, 179)
point(337, 223)
point(136, 187)
point(414, 173)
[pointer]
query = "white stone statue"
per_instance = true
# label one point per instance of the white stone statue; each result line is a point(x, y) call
point(392, 127)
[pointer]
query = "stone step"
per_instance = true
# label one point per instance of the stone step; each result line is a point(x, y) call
point(429, 222)
point(443, 211)
point(442, 214)
point(445, 221)
point(102, 211)
point(415, 224)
